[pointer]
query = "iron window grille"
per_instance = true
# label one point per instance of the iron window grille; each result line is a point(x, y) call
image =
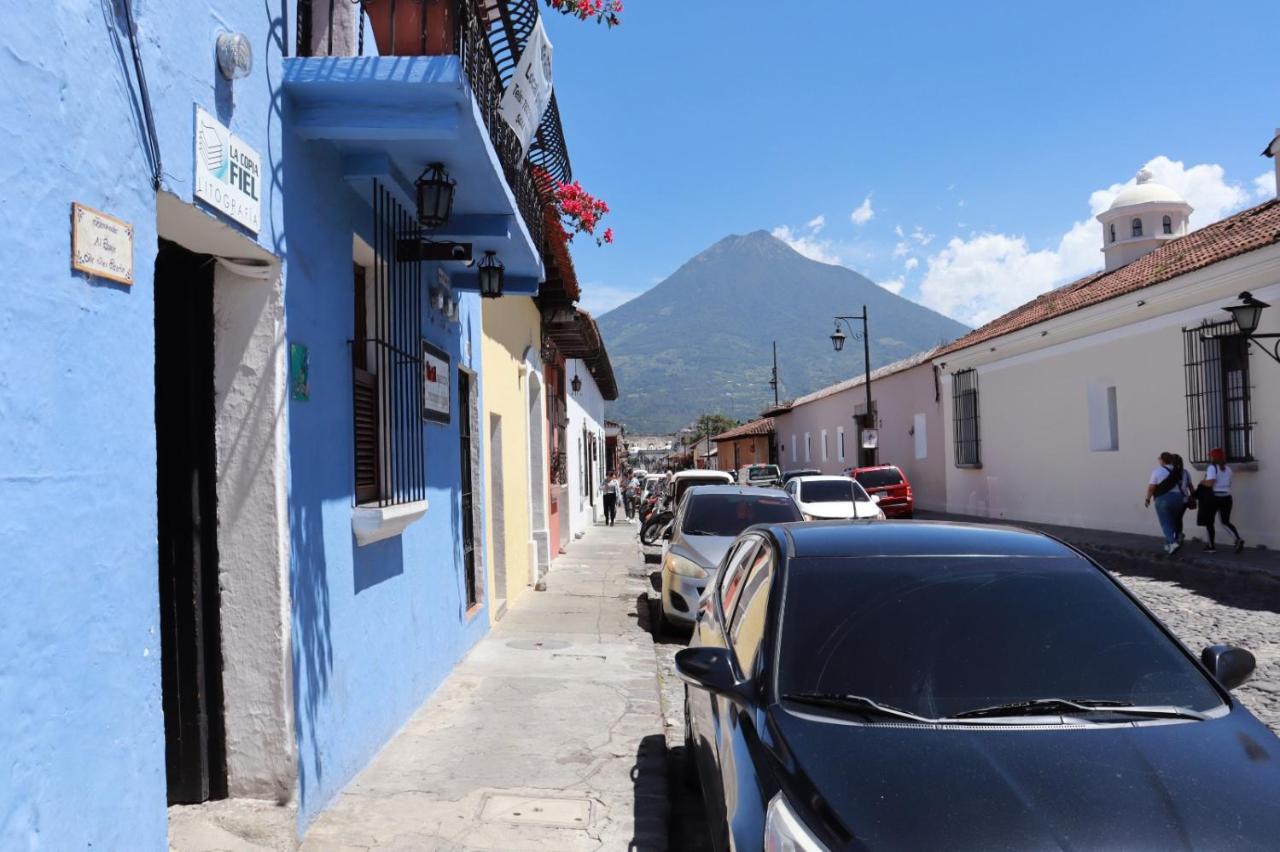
point(964, 405)
point(389, 434)
point(1219, 408)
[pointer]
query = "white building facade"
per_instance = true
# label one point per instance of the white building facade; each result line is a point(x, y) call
point(587, 458)
point(1057, 411)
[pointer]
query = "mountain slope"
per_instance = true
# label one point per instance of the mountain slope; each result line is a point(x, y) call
point(700, 340)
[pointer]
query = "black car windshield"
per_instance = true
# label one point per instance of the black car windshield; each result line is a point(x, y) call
point(937, 636)
point(832, 492)
point(730, 514)
point(762, 472)
point(879, 477)
point(685, 484)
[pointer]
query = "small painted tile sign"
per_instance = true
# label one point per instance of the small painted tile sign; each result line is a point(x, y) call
point(101, 245)
point(299, 372)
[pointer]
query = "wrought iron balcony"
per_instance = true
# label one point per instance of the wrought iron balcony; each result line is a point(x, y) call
point(488, 37)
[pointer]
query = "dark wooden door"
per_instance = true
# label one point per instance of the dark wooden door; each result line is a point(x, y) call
point(190, 641)
point(468, 497)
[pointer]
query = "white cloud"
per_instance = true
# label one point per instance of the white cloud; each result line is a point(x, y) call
point(894, 285)
point(911, 263)
point(1264, 186)
point(807, 243)
point(897, 229)
point(921, 236)
point(901, 249)
point(599, 298)
point(817, 223)
point(863, 213)
point(977, 279)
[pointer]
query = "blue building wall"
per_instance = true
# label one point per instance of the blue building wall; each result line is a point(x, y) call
point(375, 628)
point(82, 749)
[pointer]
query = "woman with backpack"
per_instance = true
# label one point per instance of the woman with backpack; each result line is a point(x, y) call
point(1215, 499)
point(1165, 490)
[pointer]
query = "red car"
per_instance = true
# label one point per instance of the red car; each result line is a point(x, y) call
point(890, 484)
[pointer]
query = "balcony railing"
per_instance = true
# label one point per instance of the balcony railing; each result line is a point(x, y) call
point(488, 37)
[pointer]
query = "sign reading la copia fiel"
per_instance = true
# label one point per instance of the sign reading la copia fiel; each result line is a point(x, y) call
point(228, 172)
point(101, 245)
point(529, 91)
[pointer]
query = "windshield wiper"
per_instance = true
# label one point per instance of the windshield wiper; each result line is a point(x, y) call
point(856, 703)
point(1077, 707)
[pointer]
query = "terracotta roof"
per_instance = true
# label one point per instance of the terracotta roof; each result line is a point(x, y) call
point(1249, 230)
point(763, 426)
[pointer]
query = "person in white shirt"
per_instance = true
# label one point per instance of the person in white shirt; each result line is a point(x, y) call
point(1164, 488)
point(1215, 500)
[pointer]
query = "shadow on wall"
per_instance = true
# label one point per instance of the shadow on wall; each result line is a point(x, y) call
point(377, 562)
point(312, 645)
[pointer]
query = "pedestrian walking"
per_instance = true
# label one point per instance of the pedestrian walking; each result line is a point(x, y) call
point(1214, 495)
point(1188, 492)
point(612, 493)
point(1165, 490)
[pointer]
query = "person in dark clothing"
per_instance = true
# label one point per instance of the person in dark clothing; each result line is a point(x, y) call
point(611, 492)
point(1215, 500)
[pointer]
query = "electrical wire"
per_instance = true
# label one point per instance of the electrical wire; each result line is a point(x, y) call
point(153, 138)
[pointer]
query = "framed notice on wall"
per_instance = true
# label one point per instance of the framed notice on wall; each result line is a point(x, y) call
point(436, 381)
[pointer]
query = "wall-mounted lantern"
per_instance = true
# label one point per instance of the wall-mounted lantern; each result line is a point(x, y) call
point(492, 275)
point(435, 196)
point(576, 384)
point(235, 55)
point(1248, 316)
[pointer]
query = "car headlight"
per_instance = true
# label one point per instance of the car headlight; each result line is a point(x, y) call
point(685, 567)
point(784, 832)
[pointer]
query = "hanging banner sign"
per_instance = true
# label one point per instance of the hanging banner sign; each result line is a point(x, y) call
point(870, 439)
point(101, 245)
point(529, 91)
point(436, 380)
point(228, 172)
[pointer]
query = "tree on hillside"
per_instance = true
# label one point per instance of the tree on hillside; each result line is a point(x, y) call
point(710, 425)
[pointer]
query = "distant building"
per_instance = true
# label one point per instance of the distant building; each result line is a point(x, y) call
point(1058, 409)
point(750, 443)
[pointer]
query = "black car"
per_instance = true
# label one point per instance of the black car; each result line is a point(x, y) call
point(788, 475)
point(900, 685)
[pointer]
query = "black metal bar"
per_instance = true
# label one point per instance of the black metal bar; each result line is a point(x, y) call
point(303, 46)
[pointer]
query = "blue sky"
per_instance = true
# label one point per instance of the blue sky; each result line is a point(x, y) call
point(988, 136)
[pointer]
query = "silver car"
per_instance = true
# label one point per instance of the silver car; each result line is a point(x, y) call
point(707, 521)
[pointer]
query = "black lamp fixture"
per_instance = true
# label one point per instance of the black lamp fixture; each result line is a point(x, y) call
point(576, 384)
point(492, 275)
point(435, 196)
point(838, 338)
point(1248, 315)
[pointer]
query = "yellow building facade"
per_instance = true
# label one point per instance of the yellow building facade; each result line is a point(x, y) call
point(515, 464)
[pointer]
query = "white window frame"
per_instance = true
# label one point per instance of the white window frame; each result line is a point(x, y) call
point(839, 443)
point(808, 447)
point(794, 449)
point(920, 431)
point(824, 445)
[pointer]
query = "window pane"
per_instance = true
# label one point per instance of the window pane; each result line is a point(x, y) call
point(879, 477)
point(832, 492)
point(941, 635)
point(746, 630)
point(730, 514)
point(735, 568)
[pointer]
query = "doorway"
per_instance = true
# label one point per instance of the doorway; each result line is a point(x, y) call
point(467, 488)
point(186, 495)
point(498, 517)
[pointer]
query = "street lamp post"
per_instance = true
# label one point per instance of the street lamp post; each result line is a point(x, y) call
point(1247, 315)
point(838, 338)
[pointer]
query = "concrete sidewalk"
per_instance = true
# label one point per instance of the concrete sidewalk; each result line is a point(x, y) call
point(547, 736)
point(1253, 563)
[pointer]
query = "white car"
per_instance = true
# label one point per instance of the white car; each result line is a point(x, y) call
point(833, 498)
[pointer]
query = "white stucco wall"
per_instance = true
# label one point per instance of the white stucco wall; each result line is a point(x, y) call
point(899, 399)
point(586, 409)
point(1037, 460)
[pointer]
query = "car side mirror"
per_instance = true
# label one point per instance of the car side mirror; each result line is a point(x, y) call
point(710, 669)
point(875, 498)
point(1232, 666)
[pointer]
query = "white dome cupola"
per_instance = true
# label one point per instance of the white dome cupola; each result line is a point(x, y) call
point(1142, 218)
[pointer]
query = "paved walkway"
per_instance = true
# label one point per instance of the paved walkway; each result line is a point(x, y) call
point(547, 736)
